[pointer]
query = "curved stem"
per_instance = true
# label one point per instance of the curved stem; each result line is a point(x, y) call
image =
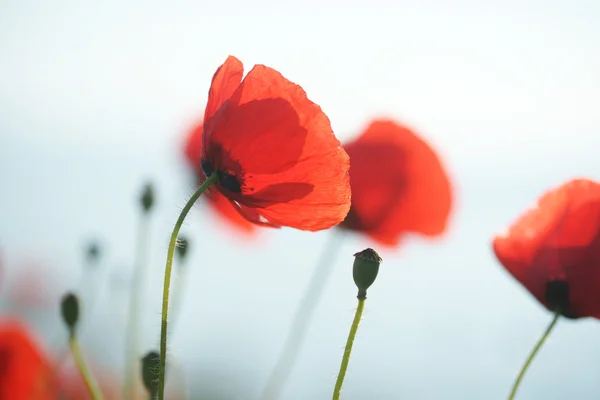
point(90, 383)
point(535, 350)
point(133, 316)
point(346, 359)
point(167, 284)
point(301, 322)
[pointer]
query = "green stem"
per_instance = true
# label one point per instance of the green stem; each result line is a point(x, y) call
point(535, 350)
point(301, 322)
point(167, 284)
point(348, 349)
point(90, 383)
point(133, 316)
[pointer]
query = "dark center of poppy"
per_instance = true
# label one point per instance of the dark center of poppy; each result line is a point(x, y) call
point(228, 181)
point(557, 297)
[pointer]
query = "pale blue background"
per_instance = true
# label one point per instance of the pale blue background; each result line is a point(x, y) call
point(95, 98)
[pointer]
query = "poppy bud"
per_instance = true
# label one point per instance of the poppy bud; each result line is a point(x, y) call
point(364, 272)
point(150, 366)
point(69, 308)
point(147, 198)
point(182, 247)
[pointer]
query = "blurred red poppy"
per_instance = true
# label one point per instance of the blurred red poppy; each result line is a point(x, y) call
point(553, 249)
point(224, 208)
point(277, 159)
point(24, 373)
point(398, 185)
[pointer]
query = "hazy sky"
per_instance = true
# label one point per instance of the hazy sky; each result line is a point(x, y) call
point(96, 97)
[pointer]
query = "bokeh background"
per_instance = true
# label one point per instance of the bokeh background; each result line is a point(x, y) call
point(97, 97)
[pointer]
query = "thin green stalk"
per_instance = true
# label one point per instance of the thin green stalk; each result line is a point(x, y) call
point(132, 331)
point(90, 383)
point(346, 359)
point(301, 322)
point(167, 284)
point(535, 350)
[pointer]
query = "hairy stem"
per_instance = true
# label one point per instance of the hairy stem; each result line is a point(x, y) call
point(167, 284)
point(346, 359)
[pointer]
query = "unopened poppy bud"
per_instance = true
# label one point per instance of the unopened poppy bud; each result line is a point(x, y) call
point(366, 267)
point(182, 247)
point(150, 366)
point(69, 308)
point(147, 198)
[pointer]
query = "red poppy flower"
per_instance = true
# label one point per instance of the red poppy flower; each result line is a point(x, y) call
point(398, 185)
point(24, 373)
point(554, 249)
point(278, 161)
point(224, 208)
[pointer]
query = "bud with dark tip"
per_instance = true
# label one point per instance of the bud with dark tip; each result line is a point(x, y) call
point(147, 198)
point(364, 272)
point(69, 308)
point(182, 247)
point(150, 369)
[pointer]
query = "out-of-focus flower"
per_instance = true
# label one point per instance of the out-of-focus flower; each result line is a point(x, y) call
point(278, 161)
point(553, 249)
point(398, 183)
point(24, 372)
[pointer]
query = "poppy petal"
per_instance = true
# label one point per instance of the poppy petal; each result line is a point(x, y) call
point(223, 207)
point(228, 212)
point(280, 145)
point(193, 148)
point(250, 214)
point(225, 81)
point(398, 185)
point(558, 240)
point(24, 373)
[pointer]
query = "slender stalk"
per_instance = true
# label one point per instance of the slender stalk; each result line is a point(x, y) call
point(137, 285)
point(529, 360)
point(90, 383)
point(167, 284)
point(346, 359)
point(301, 322)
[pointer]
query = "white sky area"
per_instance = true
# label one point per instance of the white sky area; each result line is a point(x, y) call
point(96, 96)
